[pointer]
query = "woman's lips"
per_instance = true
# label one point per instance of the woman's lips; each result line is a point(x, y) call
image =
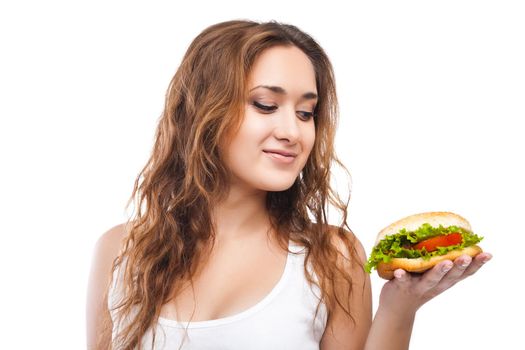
point(281, 157)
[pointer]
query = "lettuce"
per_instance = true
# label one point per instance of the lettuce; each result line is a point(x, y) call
point(399, 245)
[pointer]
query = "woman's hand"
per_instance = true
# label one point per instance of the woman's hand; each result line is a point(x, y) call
point(406, 293)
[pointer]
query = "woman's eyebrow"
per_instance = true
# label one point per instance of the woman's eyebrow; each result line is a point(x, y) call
point(279, 90)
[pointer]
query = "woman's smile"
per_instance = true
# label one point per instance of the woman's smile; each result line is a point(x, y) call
point(281, 158)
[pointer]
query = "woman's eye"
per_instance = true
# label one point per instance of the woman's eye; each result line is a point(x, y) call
point(264, 108)
point(305, 115)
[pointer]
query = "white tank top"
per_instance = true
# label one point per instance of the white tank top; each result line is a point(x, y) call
point(284, 319)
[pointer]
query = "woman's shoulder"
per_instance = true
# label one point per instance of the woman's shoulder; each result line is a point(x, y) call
point(343, 239)
point(111, 242)
point(348, 248)
point(108, 246)
point(341, 242)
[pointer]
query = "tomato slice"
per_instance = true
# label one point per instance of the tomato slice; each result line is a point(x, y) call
point(433, 243)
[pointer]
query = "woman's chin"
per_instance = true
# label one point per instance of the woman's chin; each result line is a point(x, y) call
point(277, 186)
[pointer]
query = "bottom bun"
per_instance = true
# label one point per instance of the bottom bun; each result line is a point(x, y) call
point(386, 270)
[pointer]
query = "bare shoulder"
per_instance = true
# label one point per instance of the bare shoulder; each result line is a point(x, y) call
point(107, 248)
point(110, 242)
point(348, 245)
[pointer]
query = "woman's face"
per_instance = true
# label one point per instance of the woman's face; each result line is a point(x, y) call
point(277, 132)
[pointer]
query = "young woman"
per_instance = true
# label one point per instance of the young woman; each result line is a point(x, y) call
point(230, 247)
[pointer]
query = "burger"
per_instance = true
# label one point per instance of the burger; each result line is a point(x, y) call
point(419, 242)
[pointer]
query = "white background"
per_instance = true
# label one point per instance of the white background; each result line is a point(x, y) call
point(432, 102)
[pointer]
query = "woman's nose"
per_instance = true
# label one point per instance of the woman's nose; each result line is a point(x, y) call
point(287, 127)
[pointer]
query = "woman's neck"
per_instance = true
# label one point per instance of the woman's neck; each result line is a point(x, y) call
point(241, 215)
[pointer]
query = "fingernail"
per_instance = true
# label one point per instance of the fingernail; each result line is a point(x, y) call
point(486, 259)
point(446, 268)
point(399, 274)
point(466, 262)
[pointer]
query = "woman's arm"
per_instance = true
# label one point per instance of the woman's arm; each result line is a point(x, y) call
point(341, 333)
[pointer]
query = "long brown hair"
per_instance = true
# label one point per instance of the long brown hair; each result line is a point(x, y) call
point(185, 175)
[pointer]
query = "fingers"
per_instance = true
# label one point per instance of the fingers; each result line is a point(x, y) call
point(434, 276)
point(455, 274)
point(417, 289)
point(478, 261)
point(463, 267)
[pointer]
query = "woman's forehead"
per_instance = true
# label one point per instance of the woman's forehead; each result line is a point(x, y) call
point(286, 67)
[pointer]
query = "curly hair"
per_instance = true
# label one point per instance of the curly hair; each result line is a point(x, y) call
point(175, 191)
